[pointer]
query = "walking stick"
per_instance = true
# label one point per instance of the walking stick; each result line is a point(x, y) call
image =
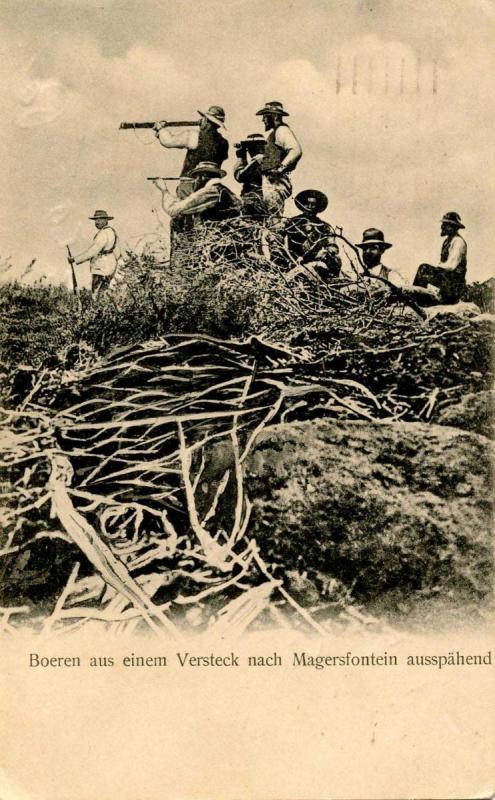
point(71, 262)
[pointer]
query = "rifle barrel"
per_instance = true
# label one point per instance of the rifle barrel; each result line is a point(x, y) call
point(159, 178)
point(124, 126)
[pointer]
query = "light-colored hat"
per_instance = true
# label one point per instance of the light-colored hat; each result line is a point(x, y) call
point(302, 198)
point(215, 114)
point(453, 218)
point(99, 214)
point(210, 167)
point(374, 236)
point(273, 107)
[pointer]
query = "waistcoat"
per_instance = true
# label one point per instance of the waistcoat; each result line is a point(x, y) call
point(211, 147)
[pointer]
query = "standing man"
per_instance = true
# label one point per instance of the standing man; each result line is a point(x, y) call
point(311, 240)
point(449, 275)
point(373, 247)
point(103, 254)
point(282, 153)
point(247, 171)
point(207, 142)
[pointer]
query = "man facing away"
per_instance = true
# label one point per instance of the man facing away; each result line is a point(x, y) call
point(282, 153)
point(103, 254)
point(373, 246)
point(449, 275)
point(203, 143)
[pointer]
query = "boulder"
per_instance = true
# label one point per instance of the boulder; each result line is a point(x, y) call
point(402, 510)
point(473, 412)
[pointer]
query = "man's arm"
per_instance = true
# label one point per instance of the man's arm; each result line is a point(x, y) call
point(200, 200)
point(396, 278)
point(185, 138)
point(286, 139)
point(457, 252)
point(100, 243)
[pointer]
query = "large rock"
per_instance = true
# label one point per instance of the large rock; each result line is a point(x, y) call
point(401, 509)
point(474, 412)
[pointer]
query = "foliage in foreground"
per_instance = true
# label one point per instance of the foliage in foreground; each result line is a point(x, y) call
point(341, 351)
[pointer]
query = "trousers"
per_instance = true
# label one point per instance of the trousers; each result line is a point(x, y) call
point(451, 283)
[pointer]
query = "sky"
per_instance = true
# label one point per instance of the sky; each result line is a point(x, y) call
point(391, 100)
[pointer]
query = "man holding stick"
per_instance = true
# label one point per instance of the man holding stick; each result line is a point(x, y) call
point(103, 253)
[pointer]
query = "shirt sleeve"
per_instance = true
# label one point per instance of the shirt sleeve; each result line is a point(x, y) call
point(185, 138)
point(457, 252)
point(206, 197)
point(100, 243)
point(396, 278)
point(286, 139)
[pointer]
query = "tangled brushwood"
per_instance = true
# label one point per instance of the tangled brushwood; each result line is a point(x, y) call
point(108, 443)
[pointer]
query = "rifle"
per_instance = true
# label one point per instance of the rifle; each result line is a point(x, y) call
point(396, 291)
point(71, 262)
point(124, 126)
point(159, 178)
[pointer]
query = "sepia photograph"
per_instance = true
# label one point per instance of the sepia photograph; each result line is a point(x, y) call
point(247, 306)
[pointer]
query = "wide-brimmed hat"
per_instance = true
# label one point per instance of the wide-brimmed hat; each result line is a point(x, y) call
point(302, 198)
point(210, 167)
point(374, 236)
point(99, 214)
point(215, 114)
point(453, 218)
point(273, 107)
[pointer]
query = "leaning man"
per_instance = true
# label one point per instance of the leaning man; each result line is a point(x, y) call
point(103, 254)
point(210, 200)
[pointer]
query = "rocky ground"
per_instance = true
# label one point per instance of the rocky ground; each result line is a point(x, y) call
point(400, 515)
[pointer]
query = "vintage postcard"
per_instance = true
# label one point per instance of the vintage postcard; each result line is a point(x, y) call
point(246, 400)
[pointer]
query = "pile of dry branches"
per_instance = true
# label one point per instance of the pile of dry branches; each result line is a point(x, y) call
point(127, 472)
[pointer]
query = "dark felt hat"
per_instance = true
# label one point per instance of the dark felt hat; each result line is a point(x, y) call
point(210, 167)
point(301, 199)
point(454, 218)
point(374, 236)
point(273, 107)
point(99, 214)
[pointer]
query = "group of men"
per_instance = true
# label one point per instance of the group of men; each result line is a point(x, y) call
point(304, 244)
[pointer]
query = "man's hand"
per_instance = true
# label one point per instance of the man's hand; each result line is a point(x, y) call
point(159, 125)
point(160, 184)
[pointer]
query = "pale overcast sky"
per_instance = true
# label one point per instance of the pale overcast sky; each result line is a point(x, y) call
point(391, 100)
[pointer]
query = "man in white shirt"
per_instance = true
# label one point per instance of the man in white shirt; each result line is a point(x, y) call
point(103, 254)
point(373, 246)
point(282, 153)
point(449, 275)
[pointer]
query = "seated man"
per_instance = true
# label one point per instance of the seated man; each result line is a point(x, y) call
point(310, 240)
point(372, 247)
point(449, 275)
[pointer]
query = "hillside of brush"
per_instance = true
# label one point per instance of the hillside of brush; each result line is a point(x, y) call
point(91, 391)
